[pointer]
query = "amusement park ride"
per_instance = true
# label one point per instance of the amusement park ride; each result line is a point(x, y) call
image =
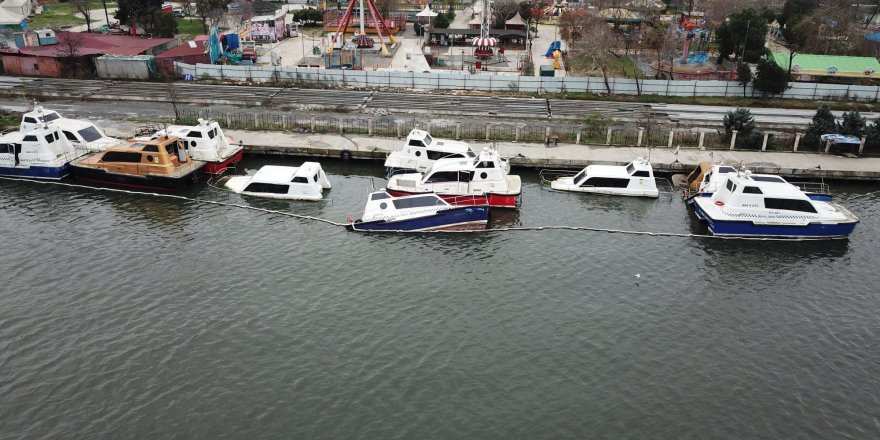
point(691, 28)
point(361, 40)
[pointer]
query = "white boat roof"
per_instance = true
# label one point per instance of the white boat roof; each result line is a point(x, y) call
point(282, 174)
point(770, 185)
point(444, 145)
point(14, 136)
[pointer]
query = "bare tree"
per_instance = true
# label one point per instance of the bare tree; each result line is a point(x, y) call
point(85, 9)
point(69, 45)
point(590, 42)
point(661, 42)
point(106, 15)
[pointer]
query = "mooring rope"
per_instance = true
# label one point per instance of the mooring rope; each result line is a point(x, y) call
point(331, 222)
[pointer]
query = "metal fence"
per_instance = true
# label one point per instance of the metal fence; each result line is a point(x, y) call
point(449, 80)
point(548, 133)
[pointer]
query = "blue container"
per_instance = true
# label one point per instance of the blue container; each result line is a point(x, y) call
point(232, 41)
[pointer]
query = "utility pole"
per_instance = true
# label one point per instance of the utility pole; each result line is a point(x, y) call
point(746, 41)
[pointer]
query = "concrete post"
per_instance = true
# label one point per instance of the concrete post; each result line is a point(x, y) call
point(488, 129)
point(256, 120)
point(797, 139)
point(862, 144)
point(827, 146)
point(312, 123)
point(370, 126)
point(671, 136)
point(577, 139)
point(398, 128)
point(516, 136)
point(702, 138)
point(733, 139)
point(764, 144)
point(547, 135)
point(458, 130)
point(608, 137)
point(641, 135)
point(429, 127)
point(284, 122)
point(340, 126)
point(228, 122)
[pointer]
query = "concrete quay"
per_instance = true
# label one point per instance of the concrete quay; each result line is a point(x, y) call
point(569, 156)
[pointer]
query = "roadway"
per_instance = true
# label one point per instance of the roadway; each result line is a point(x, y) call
point(388, 103)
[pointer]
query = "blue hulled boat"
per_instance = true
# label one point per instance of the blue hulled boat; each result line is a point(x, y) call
point(746, 204)
point(41, 153)
point(424, 212)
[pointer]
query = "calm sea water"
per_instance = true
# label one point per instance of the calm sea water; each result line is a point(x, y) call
point(128, 316)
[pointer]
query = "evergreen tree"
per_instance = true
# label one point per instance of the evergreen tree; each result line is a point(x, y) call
point(743, 122)
point(770, 78)
point(743, 75)
point(823, 123)
point(744, 33)
point(853, 124)
point(872, 137)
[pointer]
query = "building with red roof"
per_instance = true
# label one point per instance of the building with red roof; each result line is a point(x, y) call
point(50, 60)
point(190, 52)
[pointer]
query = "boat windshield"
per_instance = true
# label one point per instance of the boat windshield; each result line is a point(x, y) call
point(579, 176)
point(49, 117)
point(428, 139)
point(630, 168)
point(471, 154)
point(90, 134)
point(418, 202)
point(723, 170)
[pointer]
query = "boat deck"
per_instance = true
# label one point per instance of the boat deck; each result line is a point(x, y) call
point(177, 172)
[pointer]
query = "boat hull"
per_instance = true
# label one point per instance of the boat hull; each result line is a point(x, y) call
point(465, 218)
point(150, 182)
point(220, 167)
point(36, 172)
point(494, 200)
point(751, 229)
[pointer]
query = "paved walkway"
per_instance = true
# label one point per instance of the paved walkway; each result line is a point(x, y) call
point(540, 44)
point(536, 155)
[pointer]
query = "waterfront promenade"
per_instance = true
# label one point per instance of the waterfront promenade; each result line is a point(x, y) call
point(537, 155)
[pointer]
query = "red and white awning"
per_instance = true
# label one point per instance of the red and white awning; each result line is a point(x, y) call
point(484, 42)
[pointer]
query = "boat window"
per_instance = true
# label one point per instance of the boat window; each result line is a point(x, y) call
point(121, 156)
point(417, 202)
point(194, 134)
point(315, 179)
point(273, 188)
point(723, 170)
point(641, 174)
point(428, 139)
point(415, 143)
point(90, 134)
point(579, 175)
point(730, 186)
point(70, 136)
point(486, 164)
point(30, 138)
point(379, 196)
point(169, 148)
point(49, 117)
point(630, 168)
point(212, 133)
point(443, 176)
point(752, 190)
point(151, 149)
point(768, 179)
point(434, 155)
point(789, 204)
point(471, 154)
point(30, 120)
point(49, 138)
point(605, 182)
point(300, 179)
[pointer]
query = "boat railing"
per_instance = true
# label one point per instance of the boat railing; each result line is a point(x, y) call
point(812, 187)
point(468, 200)
point(548, 175)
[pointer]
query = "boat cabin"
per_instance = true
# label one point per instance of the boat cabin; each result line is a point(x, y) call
point(705, 177)
point(43, 146)
point(205, 141)
point(609, 176)
point(382, 206)
point(485, 167)
point(754, 192)
point(162, 156)
point(420, 144)
point(35, 117)
point(305, 182)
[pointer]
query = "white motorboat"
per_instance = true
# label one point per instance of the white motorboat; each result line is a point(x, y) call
point(206, 142)
point(482, 176)
point(747, 204)
point(82, 134)
point(423, 212)
point(634, 179)
point(305, 182)
point(40, 153)
point(420, 150)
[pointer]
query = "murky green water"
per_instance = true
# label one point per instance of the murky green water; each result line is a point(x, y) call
point(134, 317)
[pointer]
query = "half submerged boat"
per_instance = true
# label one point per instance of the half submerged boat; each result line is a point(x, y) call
point(305, 182)
point(159, 164)
point(764, 205)
point(483, 176)
point(420, 150)
point(634, 179)
point(40, 153)
point(424, 212)
point(206, 142)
